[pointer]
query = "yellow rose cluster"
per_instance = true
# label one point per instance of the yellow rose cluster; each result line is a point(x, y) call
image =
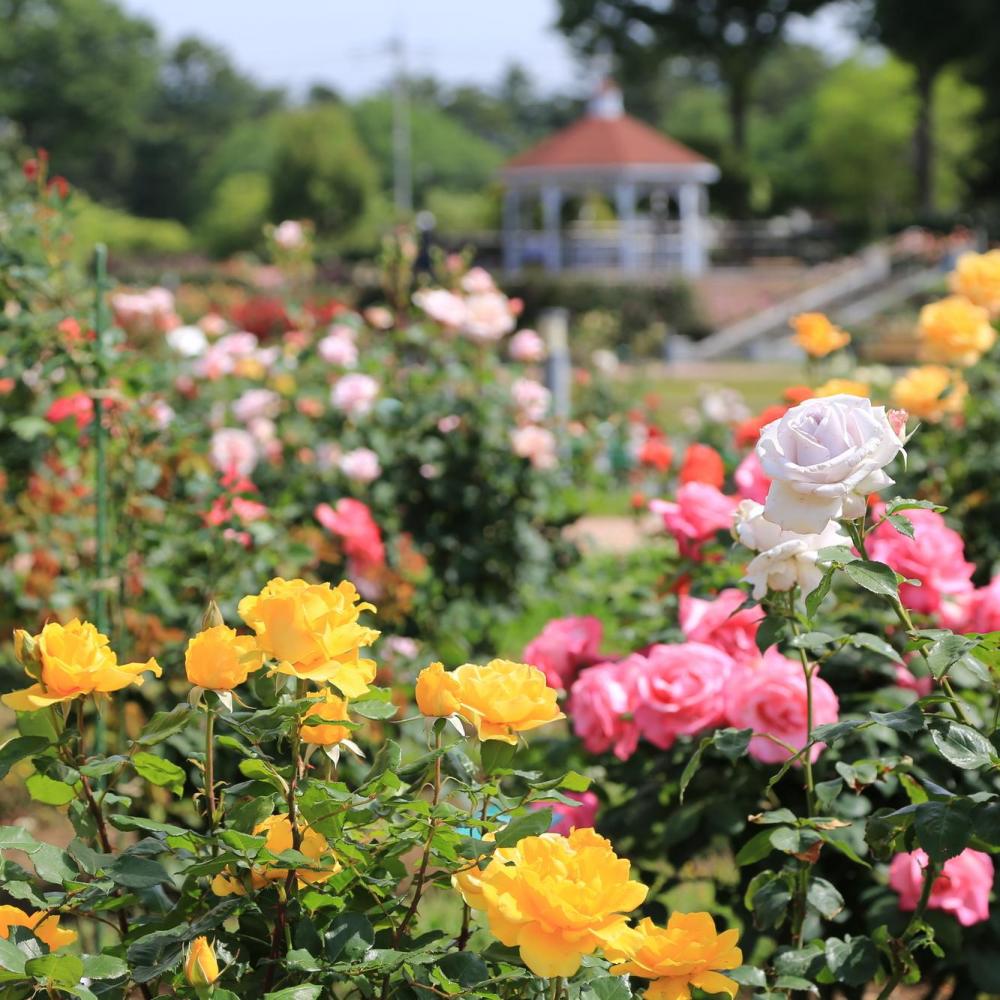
point(500, 699)
point(955, 331)
point(559, 898)
point(977, 277)
point(817, 336)
point(45, 926)
point(930, 392)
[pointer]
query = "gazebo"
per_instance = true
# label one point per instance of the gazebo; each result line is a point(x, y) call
point(657, 187)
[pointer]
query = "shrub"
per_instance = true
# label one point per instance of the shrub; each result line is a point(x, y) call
point(236, 214)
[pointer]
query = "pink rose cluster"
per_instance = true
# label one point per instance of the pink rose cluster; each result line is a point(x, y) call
point(698, 514)
point(566, 818)
point(352, 522)
point(150, 310)
point(962, 889)
point(480, 312)
point(229, 351)
point(716, 678)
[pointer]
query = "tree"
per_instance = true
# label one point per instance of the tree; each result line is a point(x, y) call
point(929, 36)
point(732, 36)
point(320, 169)
point(199, 97)
point(78, 76)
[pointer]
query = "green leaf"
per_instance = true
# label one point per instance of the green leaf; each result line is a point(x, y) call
point(387, 758)
point(769, 896)
point(746, 975)
point(11, 957)
point(496, 755)
point(816, 597)
point(769, 632)
point(793, 841)
point(755, 849)
point(839, 555)
point(691, 767)
point(63, 970)
point(943, 829)
point(164, 724)
point(374, 708)
point(824, 898)
point(150, 825)
point(853, 961)
point(907, 720)
point(530, 825)
point(350, 936)
point(104, 967)
point(732, 743)
point(945, 652)
point(875, 577)
point(902, 524)
point(608, 988)
point(17, 749)
point(159, 771)
point(575, 782)
point(137, 873)
point(16, 838)
point(49, 791)
point(304, 992)
point(874, 644)
point(962, 745)
point(901, 503)
point(813, 641)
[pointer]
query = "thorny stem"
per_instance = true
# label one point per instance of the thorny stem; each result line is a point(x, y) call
point(419, 880)
point(899, 970)
point(463, 937)
point(557, 984)
point(210, 767)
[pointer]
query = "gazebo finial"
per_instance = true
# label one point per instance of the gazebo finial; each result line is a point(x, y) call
point(607, 100)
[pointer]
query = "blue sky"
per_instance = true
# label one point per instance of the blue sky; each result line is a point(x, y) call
point(343, 42)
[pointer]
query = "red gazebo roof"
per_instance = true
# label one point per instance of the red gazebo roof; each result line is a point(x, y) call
point(596, 141)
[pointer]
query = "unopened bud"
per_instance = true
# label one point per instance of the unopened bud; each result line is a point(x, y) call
point(26, 652)
point(212, 616)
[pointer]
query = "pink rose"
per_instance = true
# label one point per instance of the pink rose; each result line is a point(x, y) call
point(976, 611)
point(488, 316)
point(719, 623)
point(449, 423)
point(478, 280)
point(566, 818)
point(255, 403)
point(680, 691)
point(564, 647)
point(352, 521)
point(355, 395)
point(537, 444)
point(361, 465)
point(935, 556)
point(233, 451)
point(770, 698)
point(698, 513)
point(442, 306)
point(531, 399)
point(338, 347)
point(290, 235)
point(962, 889)
point(601, 703)
point(752, 482)
point(905, 678)
point(527, 347)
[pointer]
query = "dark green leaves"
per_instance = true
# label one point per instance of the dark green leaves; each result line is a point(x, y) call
point(875, 577)
point(164, 724)
point(962, 745)
point(853, 960)
point(17, 749)
point(159, 771)
point(137, 873)
point(349, 937)
point(530, 825)
point(943, 829)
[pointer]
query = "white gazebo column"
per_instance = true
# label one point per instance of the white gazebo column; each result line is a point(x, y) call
point(692, 235)
point(625, 210)
point(512, 230)
point(552, 224)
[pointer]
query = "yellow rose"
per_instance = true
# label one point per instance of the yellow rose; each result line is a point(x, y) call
point(437, 692)
point(45, 927)
point(844, 387)
point(219, 659)
point(955, 331)
point(557, 898)
point(312, 630)
point(328, 706)
point(977, 277)
point(277, 831)
point(74, 660)
point(504, 698)
point(930, 392)
point(201, 967)
point(686, 953)
point(469, 881)
point(817, 336)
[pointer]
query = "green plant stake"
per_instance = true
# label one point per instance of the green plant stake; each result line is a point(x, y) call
point(100, 483)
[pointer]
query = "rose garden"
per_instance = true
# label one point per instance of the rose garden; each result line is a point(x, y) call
point(310, 692)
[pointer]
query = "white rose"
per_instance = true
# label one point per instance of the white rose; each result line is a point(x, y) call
point(784, 558)
point(824, 457)
point(189, 341)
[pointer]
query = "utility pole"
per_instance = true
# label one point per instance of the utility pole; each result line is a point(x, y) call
point(402, 171)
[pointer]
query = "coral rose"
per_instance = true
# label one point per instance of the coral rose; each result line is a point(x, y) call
point(817, 336)
point(681, 691)
point(564, 647)
point(218, 659)
point(71, 661)
point(601, 705)
point(955, 331)
point(722, 623)
point(962, 889)
point(770, 699)
point(504, 699)
point(702, 464)
point(312, 631)
point(977, 277)
point(687, 952)
point(935, 556)
point(557, 898)
point(698, 514)
point(930, 392)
